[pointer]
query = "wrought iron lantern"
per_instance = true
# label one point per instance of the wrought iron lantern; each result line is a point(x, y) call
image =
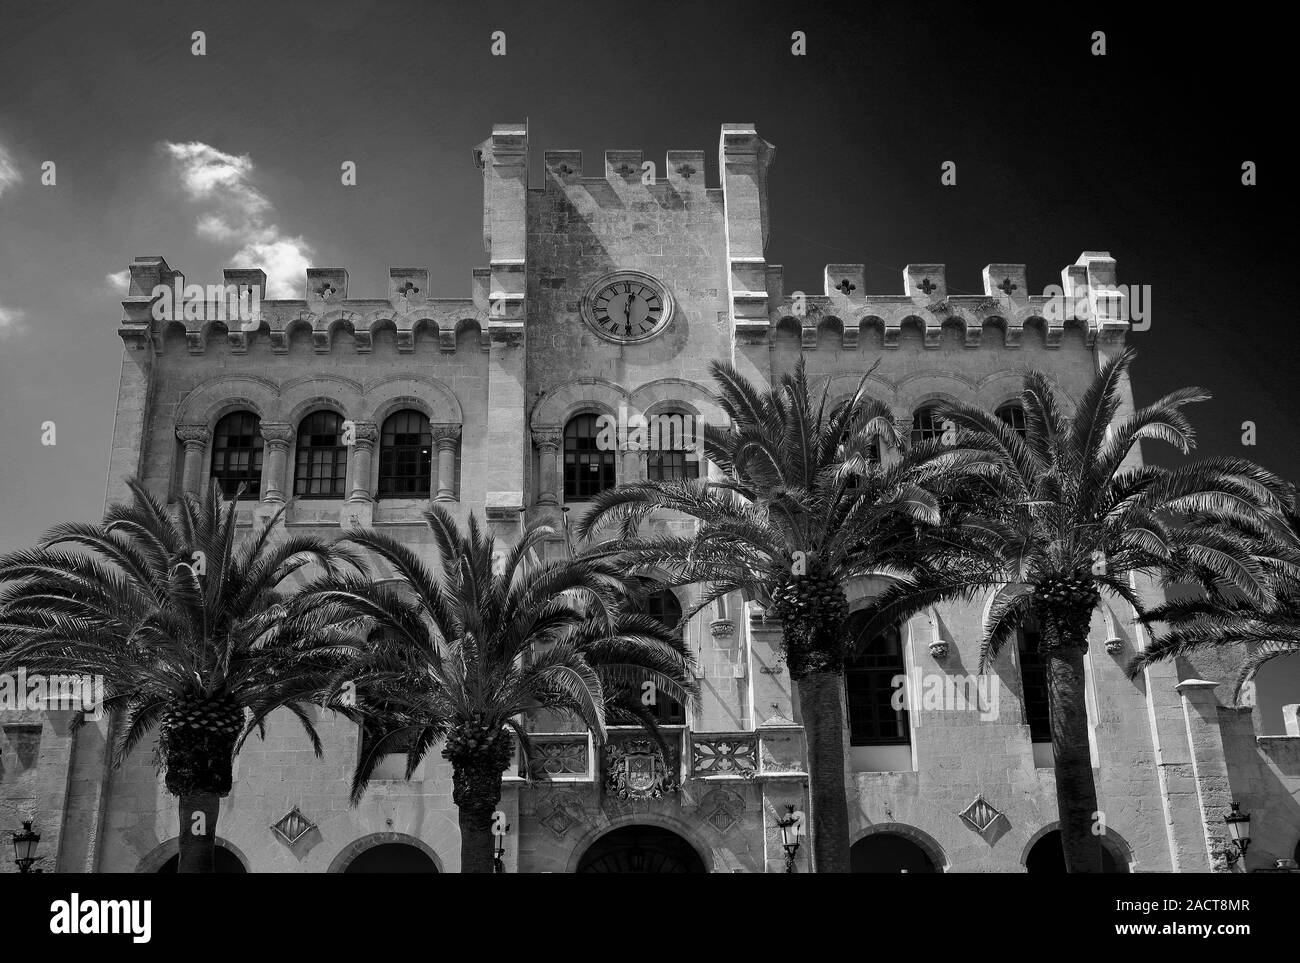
point(1239, 832)
point(791, 825)
point(25, 844)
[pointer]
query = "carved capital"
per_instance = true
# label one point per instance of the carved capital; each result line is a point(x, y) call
point(547, 439)
point(277, 434)
point(194, 436)
point(445, 436)
point(364, 434)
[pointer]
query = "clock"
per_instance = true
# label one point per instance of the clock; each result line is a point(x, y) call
point(627, 307)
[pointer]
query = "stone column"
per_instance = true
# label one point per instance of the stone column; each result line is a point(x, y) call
point(1209, 764)
point(196, 439)
point(365, 434)
point(276, 437)
point(548, 442)
point(634, 466)
point(445, 438)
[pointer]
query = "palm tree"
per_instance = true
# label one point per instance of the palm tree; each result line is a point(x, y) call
point(1070, 516)
point(1218, 616)
point(803, 505)
point(187, 629)
point(458, 657)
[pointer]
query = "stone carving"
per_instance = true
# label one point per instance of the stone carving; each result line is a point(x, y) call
point(726, 756)
point(277, 433)
point(563, 811)
point(722, 809)
point(293, 826)
point(980, 815)
point(194, 436)
point(558, 758)
point(636, 769)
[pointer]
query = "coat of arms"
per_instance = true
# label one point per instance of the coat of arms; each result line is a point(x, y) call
point(636, 770)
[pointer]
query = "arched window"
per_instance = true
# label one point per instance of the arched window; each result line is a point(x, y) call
point(671, 434)
point(926, 424)
point(588, 469)
point(1033, 679)
point(405, 455)
point(322, 457)
point(665, 607)
point(1014, 415)
point(237, 454)
point(875, 683)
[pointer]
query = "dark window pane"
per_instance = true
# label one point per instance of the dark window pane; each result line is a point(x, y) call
point(926, 425)
point(588, 470)
point(871, 680)
point(665, 607)
point(1014, 415)
point(1033, 679)
point(237, 454)
point(322, 459)
point(668, 459)
point(405, 455)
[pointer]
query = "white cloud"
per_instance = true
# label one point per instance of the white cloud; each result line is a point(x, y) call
point(240, 214)
point(118, 282)
point(9, 175)
point(9, 320)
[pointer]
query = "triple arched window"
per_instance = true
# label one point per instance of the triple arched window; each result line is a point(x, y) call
point(321, 455)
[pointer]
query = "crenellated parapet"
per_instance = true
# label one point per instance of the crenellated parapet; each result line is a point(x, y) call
point(1088, 297)
point(238, 312)
point(627, 173)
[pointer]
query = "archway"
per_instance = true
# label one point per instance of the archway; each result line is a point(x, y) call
point(391, 858)
point(641, 849)
point(889, 853)
point(1048, 858)
point(392, 846)
point(223, 859)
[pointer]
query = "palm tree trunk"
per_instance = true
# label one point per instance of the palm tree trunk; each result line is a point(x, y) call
point(198, 839)
point(821, 705)
point(476, 792)
point(476, 841)
point(1076, 793)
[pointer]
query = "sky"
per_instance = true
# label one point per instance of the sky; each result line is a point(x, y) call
point(233, 159)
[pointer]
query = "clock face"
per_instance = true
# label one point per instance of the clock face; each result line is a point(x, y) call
point(627, 307)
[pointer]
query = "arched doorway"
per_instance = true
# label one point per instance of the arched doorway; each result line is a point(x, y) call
point(1048, 858)
point(641, 849)
point(391, 858)
point(223, 859)
point(889, 853)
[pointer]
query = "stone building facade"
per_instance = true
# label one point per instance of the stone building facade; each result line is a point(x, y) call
point(486, 405)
